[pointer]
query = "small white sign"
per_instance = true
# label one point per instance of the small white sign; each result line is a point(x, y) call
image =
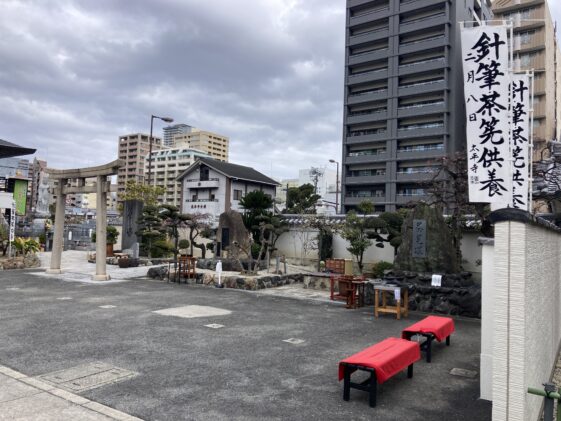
point(397, 294)
point(436, 281)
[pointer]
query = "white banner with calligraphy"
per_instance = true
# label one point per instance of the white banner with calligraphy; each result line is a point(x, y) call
point(520, 141)
point(485, 56)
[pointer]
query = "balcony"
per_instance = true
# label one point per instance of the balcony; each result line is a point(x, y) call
point(367, 96)
point(211, 183)
point(425, 44)
point(363, 159)
point(372, 179)
point(422, 87)
point(423, 23)
point(373, 75)
point(407, 6)
point(374, 55)
point(379, 12)
point(355, 200)
point(420, 154)
point(416, 176)
point(422, 66)
point(380, 135)
point(374, 35)
point(420, 131)
point(367, 117)
point(422, 109)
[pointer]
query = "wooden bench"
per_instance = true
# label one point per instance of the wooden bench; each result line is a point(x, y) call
point(382, 360)
point(431, 327)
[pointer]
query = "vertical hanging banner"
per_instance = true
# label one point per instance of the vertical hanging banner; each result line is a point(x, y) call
point(520, 113)
point(485, 56)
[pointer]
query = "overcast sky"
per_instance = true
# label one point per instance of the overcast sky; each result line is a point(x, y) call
point(75, 75)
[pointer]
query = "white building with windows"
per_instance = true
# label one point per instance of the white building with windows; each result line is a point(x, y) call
point(213, 187)
point(167, 164)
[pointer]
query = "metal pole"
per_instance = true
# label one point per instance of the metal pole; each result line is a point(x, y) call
point(150, 151)
point(337, 190)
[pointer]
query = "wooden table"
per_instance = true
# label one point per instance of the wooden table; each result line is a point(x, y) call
point(402, 305)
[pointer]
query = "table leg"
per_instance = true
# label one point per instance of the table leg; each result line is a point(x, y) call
point(383, 299)
point(347, 383)
point(376, 302)
point(406, 303)
point(332, 285)
point(448, 340)
point(398, 308)
point(373, 384)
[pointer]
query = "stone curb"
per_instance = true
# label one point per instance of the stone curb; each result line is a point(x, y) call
point(67, 396)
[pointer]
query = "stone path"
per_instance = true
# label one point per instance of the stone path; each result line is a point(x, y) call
point(27, 398)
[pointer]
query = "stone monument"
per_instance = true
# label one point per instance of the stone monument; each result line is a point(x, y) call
point(232, 229)
point(427, 244)
point(132, 210)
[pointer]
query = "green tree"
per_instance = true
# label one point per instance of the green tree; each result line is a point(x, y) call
point(357, 230)
point(150, 228)
point(255, 204)
point(301, 200)
point(145, 193)
point(198, 224)
point(172, 221)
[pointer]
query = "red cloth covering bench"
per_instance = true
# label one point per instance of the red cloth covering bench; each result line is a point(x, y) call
point(382, 360)
point(431, 327)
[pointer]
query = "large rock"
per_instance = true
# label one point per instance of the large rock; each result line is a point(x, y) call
point(438, 245)
point(31, 261)
point(158, 272)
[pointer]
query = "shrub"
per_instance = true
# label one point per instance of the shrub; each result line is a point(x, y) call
point(379, 268)
point(161, 248)
point(183, 244)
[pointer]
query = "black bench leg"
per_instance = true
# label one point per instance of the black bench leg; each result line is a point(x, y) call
point(448, 340)
point(429, 349)
point(410, 371)
point(372, 396)
point(347, 384)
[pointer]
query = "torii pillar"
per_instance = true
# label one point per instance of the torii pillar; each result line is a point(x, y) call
point(101, 188)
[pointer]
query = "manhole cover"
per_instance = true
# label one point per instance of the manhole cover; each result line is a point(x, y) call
point(294, 341)
point(214, 326)
point(64, 298)
point(462, 372)
point(107, 306)
point(87, 376)
point(13, 289)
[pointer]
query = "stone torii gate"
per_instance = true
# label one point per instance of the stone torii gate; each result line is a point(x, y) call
point(101, 188)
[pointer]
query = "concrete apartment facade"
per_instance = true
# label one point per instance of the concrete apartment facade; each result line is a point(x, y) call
point(174, 130)
point(133, 149)
point(404, 102)
point(214, 144)
point(535, 47)
point(167, 165)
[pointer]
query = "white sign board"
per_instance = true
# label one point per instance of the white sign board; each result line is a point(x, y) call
point(520, 103)
point(486, 89)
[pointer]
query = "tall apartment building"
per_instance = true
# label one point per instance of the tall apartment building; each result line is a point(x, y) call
point(404, 102)
point(174, 130)
point(133, 149)
point(217, 146)
point(535, 47)
point(167, 165)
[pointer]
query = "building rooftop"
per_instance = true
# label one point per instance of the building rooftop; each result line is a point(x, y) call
point(239, 172)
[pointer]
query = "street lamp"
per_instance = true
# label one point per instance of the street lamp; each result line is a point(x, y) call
point(336, 187)
point(167, 120)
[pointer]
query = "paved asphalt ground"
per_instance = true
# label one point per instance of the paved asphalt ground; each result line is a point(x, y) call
point(243, 371)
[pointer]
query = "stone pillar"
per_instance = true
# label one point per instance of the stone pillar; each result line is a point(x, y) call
point(59, 228)
point(101, 230)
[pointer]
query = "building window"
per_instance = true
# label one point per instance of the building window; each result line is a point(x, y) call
point(237, 194)
point(204, 174)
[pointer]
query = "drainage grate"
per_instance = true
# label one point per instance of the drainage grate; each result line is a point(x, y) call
point(87, 376)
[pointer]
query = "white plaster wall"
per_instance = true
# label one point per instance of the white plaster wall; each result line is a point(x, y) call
point(471, 254)
point(526, 317)
point(487, 305)
point(290, 244)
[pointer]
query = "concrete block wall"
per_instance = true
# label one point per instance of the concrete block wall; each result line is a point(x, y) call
point(526, 314)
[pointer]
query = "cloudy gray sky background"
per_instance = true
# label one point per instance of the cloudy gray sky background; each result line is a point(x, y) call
point(75, 75)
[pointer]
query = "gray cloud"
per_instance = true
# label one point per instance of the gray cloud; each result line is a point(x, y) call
point(268, 73)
